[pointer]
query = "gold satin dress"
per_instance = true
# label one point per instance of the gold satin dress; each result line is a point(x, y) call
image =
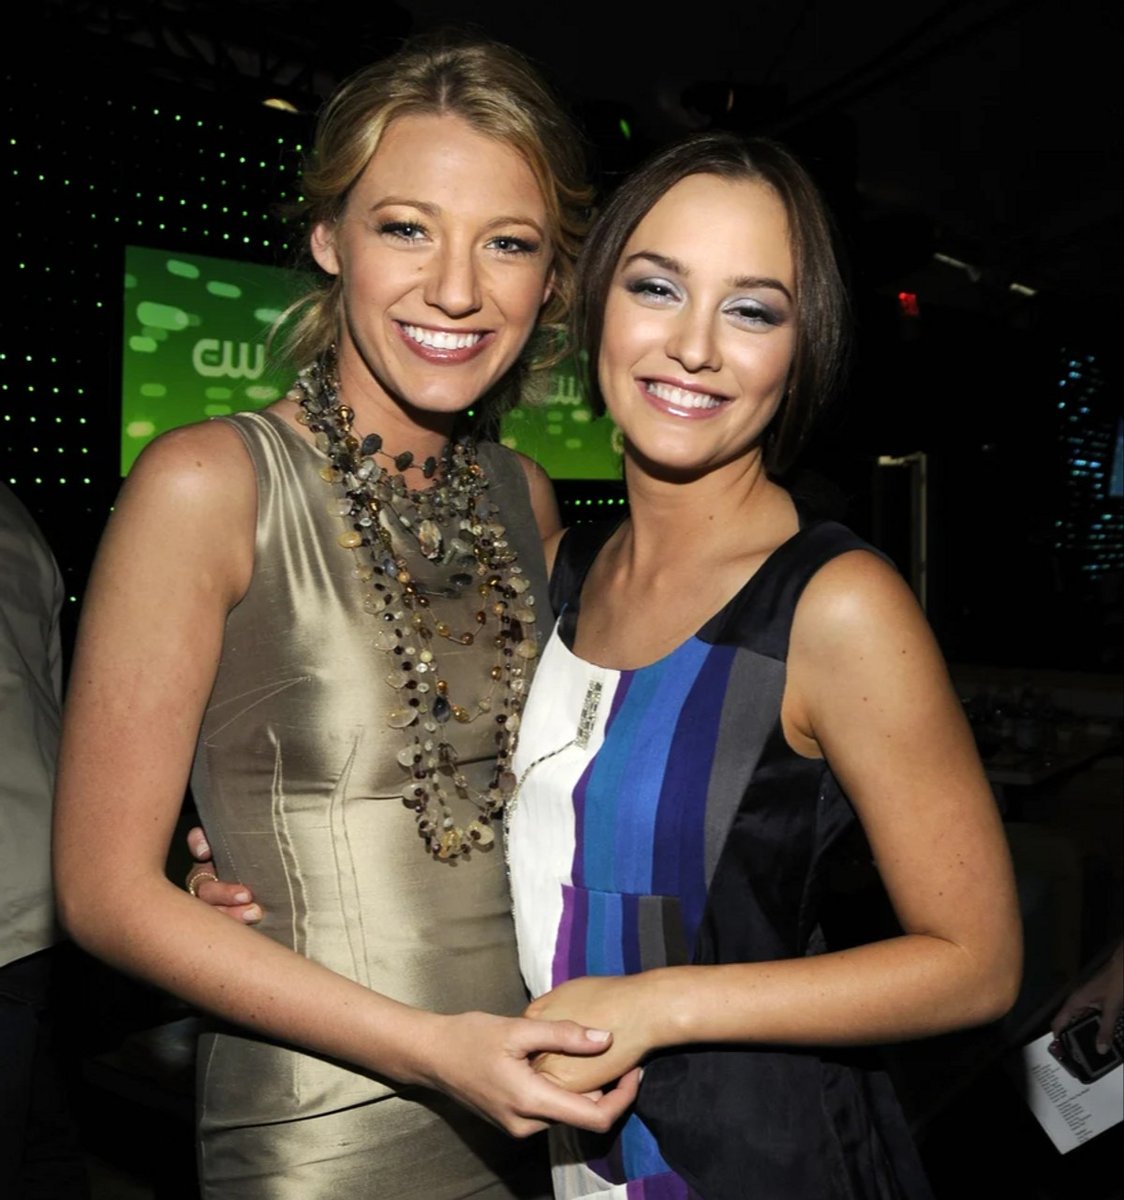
point(298, 785)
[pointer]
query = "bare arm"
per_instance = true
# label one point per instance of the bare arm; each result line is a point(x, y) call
point(176, 556)
point(868, 690)
point(544, 503)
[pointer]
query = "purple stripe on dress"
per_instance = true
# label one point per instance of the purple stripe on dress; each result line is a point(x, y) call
point(569, 946)
point(611, 1166)
point(660, 1187)
point(680, 859)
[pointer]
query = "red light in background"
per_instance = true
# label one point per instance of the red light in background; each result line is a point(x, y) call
point(907, 302)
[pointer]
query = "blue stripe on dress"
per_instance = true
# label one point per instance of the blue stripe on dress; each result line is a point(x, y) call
point(640, 808)
point(640, 1153)
point(679, 866)
point(622, 795)
point(620, 693)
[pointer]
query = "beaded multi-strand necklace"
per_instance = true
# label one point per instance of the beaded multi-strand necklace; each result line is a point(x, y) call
point(453, 523)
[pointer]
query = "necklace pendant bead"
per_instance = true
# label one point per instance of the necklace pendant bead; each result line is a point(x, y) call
point(429, 538)
point(421, 551)
point(480, 833)
point(384, 639)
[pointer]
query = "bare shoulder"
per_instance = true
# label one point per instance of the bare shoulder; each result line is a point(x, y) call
point(861, 651)
point(550, 548)
point(206, 462)
point(537, 478)
point(192, 496)
point(544, 503)
point(854, 597)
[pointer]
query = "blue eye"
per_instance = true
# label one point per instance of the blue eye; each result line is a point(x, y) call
point(508, 244)
point(406, 231)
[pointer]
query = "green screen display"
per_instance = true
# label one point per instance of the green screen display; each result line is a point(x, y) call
point(560, 433)
point(195, 347)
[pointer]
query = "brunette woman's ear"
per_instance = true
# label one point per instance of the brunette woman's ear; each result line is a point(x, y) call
point(323, 246)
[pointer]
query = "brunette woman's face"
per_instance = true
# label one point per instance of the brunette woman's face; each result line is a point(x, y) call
point(445, 261)
point(700, 324)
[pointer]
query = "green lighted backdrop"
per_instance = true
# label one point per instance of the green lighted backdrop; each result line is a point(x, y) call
point(194, 347)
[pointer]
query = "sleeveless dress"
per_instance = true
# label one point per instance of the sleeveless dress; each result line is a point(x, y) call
point(662, 819)
point(297, 783)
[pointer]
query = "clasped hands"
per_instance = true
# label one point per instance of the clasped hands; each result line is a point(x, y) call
point(603, 1082)
point(626, 1004)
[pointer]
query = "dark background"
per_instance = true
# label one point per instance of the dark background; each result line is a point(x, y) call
point(987, 133)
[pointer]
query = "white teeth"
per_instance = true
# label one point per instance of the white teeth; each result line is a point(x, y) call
point(435, 339)
point(680, 397)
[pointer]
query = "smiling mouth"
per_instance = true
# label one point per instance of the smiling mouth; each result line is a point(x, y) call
point(678, 397)
point(439, 339)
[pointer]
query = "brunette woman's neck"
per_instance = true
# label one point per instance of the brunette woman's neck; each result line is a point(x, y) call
point(716, 514)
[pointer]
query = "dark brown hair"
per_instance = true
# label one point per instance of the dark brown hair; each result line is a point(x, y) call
point(822, 309)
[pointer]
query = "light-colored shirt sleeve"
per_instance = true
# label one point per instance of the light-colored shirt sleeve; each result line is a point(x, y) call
point(31, 595)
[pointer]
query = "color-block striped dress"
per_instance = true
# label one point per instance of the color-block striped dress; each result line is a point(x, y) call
point(662, 819)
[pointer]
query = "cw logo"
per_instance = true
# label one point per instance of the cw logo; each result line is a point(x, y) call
point(212, 359)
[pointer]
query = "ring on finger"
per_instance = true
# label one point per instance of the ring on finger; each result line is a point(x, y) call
point(198, 878)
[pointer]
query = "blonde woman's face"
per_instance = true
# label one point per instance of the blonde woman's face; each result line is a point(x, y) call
point(445, 261)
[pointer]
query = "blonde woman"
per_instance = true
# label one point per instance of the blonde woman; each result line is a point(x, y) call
point(327, 614)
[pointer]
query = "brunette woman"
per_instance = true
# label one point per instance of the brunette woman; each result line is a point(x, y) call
point(730, 688)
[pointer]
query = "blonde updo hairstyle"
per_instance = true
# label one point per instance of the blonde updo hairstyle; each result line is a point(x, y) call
point(498, 93)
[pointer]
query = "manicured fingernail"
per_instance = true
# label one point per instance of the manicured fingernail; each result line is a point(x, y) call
point(241, 897)
point(1102, 1047)
point(202, 849)
point(253, 913)
point(597, 1035)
